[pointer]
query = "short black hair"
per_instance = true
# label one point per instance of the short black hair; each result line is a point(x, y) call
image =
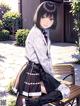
point(48, 8)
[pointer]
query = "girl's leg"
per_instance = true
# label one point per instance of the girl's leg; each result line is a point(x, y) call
point(20, 101)
point(50, 97)
point(50, 83)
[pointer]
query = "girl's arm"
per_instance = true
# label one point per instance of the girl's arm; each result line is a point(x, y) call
point(42, 55)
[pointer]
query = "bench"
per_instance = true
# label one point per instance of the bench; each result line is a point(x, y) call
point(65, 73)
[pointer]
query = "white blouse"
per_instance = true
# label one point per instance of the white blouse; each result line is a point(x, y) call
point(38, 50)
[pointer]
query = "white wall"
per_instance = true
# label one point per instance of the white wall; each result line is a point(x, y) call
point(13, 4)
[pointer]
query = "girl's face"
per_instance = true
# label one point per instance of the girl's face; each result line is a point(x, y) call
point(46, 21)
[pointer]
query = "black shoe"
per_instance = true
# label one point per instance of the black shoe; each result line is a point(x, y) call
point(51, 97)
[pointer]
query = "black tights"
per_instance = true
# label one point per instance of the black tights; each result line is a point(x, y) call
point(52, 95)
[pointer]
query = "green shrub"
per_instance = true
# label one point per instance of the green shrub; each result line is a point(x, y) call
point(75, 9)
point(11, 100)
point(75, 6)
point(9, 86)
point(11, 21)
point(21, 36)
point(4, 35)
point(3, 9)
point(1, 25)
point(12, 103)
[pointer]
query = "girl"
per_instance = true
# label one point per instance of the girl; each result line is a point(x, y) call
point(39, 66)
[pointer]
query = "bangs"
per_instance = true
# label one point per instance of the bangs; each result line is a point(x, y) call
point(47, 15)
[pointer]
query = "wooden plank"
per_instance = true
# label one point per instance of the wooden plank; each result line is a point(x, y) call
point(75, 92)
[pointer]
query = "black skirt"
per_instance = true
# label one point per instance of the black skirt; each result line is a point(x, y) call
point(29, 81)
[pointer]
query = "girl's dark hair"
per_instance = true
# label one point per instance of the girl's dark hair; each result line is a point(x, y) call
point(48, 8)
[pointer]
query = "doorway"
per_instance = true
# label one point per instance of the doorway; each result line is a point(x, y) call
point(69, 33)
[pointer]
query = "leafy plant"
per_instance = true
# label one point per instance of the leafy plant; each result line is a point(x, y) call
point(1, 25)
point(9, 86)
point(11, 21)
point(76, 13)
point(75, 6)
point(4, 35)
point(21, 36)
point(3, 9)
point(11, 100)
